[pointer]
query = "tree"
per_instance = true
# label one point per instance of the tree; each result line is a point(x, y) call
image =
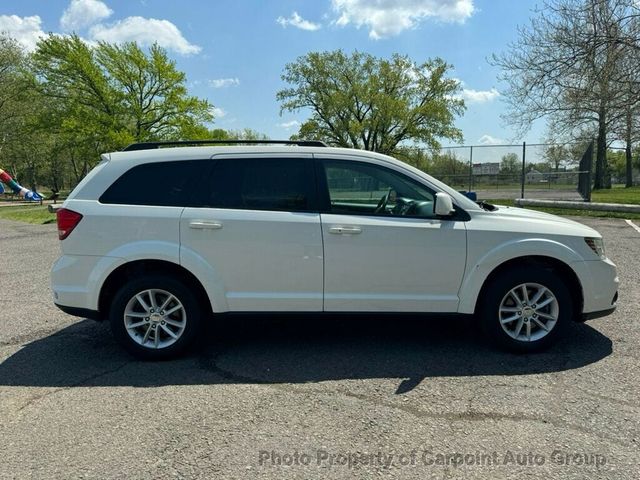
point(12, 81)
point(22, 147)
point(626, 128)
point(617, 162)
point(371, 103)
point(204, 133)
point(117, 91)
point(555, 155)
point(150, 90)
point(566, 66)
point(510, 164)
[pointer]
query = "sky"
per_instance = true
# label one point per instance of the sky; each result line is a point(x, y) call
point(234, 51)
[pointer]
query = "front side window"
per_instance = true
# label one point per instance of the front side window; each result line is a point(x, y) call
point(365, 189)
point(281, 184)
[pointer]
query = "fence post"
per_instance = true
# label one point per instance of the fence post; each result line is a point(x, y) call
point(524, 154)
point(470, 168)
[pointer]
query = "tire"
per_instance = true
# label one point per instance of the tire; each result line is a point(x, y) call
point(146, 331)
point(516, 323)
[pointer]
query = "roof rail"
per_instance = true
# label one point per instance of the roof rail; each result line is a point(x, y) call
point(152, 145)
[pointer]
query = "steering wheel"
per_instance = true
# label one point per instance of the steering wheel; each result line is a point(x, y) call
point(382, 204)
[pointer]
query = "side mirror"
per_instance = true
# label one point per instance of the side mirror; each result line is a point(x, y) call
point(444, 205)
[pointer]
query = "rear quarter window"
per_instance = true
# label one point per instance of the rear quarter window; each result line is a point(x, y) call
point(165, 184)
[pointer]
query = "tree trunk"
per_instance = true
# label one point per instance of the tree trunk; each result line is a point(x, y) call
point(601, 152)
point(629, 182)
point(628, 154)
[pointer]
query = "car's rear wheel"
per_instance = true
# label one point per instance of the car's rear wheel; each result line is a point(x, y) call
point(527, 309)
point(155, 317)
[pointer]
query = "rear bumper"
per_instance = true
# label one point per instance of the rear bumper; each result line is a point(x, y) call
point(76, 280)
point(593, 315)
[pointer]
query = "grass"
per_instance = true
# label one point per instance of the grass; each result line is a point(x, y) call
point(571, 211)
point(36, 214)
point(617, 194)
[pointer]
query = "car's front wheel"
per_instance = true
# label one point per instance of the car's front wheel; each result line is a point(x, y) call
point(527, 309)
point(155, 317)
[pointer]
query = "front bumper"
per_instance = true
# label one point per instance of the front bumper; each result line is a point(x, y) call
point(80, 312)
point(600, 282)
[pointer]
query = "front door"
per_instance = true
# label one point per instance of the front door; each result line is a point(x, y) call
point(384, 248)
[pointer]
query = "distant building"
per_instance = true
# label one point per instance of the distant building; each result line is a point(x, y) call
point(490, 168)
point(534, 176)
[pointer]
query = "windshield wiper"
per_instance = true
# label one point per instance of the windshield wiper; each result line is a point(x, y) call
point(487, 206)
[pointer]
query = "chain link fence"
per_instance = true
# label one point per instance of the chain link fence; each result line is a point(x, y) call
point(498, 172)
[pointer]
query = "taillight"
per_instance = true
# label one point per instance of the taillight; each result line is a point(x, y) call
point(67, 221)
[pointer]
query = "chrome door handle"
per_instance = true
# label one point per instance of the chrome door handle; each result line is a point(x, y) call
point(345, 230)
point(204, 225)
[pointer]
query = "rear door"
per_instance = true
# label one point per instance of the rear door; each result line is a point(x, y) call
point(258, 227)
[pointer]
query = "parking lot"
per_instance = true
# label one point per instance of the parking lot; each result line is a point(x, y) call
point(296, 397)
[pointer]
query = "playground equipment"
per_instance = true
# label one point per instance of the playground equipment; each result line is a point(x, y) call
point(18, 189)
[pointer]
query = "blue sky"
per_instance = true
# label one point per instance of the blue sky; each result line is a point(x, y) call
point(234, 51)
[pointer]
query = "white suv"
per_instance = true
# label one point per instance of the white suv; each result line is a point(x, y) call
point(159, 240)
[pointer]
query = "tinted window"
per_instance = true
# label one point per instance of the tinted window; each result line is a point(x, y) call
point(365, 189)
point(262, 184)
point(161, 184)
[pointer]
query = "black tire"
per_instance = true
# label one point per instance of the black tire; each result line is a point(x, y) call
point(192, 317)
point(498, 290)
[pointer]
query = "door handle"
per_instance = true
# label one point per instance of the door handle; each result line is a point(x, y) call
point(345, 230)
point(204, 225)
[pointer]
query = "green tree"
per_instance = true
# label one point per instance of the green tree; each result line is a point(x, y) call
point(616, 159)
point(117, 93)
point(556, 155)
point(13, 95)
point(372, 103)
point(150, 91)
point(510, 164)
point(447, 167)
point(23, 147)
point(204, 133)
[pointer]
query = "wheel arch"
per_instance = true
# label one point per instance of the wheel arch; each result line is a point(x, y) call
point(568, 275)
point(138, 268)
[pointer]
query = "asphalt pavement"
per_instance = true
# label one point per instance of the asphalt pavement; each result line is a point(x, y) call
point(313, 397)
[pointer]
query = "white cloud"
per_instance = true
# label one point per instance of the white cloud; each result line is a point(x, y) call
point(297, 21)
point(83, 13)
point(479, 96)
point(218, 112)
point(145, 31)
point(290, 124)
point(224, 82)
point(489, 140)
point(25, 30)
point(386, 18)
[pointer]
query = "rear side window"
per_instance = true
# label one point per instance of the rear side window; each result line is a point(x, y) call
point(285, 184)
point(165, 184)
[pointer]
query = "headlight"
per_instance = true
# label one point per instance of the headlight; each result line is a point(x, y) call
point(597, 245)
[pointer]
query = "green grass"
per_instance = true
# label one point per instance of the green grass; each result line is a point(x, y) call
point(587, 213)
point(36, 214)
point(617, 194)
point(571, 211)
